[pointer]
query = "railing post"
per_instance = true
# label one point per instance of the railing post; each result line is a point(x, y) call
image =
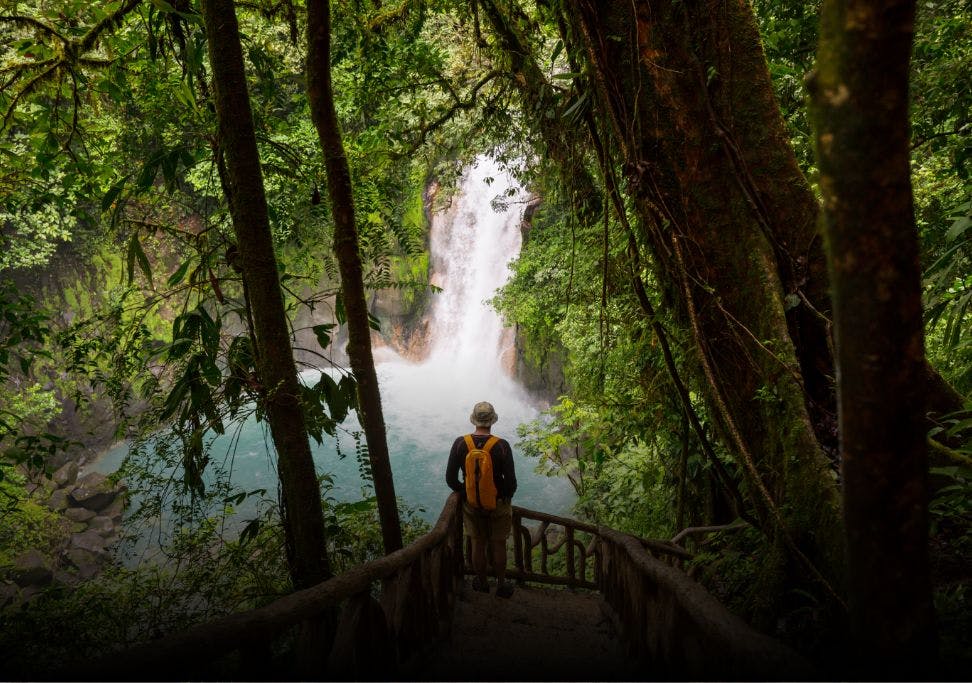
point(517, 546)
point(571, 567)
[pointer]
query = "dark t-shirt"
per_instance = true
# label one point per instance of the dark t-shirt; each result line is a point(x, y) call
point(504, 477)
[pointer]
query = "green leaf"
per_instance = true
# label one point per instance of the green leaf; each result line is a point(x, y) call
point(339, 313)
point(961, 224)
point(323, 334)
point(180, 273)
point(112, 194)
point(250, 531)
point(135, 253)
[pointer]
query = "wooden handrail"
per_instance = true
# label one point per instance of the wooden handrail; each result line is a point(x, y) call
point(577, 552)
point(677, 627)
point(214, 639)
point(667, 619)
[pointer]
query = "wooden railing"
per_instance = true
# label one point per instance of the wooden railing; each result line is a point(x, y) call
point(377, 621)
point(675, 628)
point(391, 611)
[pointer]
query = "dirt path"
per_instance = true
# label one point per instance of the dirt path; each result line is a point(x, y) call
point(539, 634)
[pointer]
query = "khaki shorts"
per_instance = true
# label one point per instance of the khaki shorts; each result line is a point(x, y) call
point(495, 525)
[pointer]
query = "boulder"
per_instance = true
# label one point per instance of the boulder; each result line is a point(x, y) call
point(58, 500)
point(93, 480)
point(92, 492)
point(116, 510)
point(88, 564)
point(66, 475)
point(32, 568)
point(102, 525)
point(80, 514)
point(89, 540)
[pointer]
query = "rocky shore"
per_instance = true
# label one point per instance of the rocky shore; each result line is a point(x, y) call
point(91, 507)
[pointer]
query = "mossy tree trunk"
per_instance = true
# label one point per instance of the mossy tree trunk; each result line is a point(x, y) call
point(321, 96)
point(860, 112)
point(730, 221)
point(301, 510)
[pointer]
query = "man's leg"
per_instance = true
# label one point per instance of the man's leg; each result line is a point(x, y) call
point(502, 527)
point(498, 550)
point(479, 558)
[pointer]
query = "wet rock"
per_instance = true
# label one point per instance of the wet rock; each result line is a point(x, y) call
point(79, 514)
point(102, 526)
point(58, 500)
point(90, 541)
point(32, 568)
point(92, 492)
point(66, 475)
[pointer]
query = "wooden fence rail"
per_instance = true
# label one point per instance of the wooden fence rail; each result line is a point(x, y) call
point(371, 638)
point(676, 628)
point(378, 620)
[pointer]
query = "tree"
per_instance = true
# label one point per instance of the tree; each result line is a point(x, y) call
point(301, 501)
point(860, 111)
point(321, 100)
point(684, 94)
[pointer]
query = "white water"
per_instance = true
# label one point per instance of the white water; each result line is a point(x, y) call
point(427, 404)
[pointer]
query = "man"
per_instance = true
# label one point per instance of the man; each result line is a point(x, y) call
point(486, 528)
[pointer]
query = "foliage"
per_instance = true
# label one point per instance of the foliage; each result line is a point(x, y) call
point(26, 523)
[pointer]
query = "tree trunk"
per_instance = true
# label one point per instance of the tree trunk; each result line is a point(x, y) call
point(730, 220)
point(301, 510)
point(346, 250)
point(860, 110)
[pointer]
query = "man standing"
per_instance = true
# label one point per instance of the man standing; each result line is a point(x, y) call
point(485, 525)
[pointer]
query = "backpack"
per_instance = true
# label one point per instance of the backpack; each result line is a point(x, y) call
point(478, 474)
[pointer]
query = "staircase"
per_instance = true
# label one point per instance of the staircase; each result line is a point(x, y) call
point(539, 634)
point(622, 609)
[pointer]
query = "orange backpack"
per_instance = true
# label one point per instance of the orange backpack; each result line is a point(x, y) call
point(478, 474)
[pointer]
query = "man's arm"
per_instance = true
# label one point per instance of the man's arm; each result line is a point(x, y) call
point(508, 471)
point(453, 467)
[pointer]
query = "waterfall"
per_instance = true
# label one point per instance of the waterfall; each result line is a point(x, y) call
point(426, 404)
point(470, 351)
point(471, 246)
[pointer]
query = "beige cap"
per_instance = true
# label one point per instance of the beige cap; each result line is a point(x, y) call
point(483, 415)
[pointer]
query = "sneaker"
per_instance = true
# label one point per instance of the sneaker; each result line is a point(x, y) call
point(504, 590)
point(480, 585)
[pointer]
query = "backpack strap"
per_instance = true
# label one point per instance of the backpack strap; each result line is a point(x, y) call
point(490, 442)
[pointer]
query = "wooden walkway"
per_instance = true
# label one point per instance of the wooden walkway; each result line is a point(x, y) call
point(539, 634)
